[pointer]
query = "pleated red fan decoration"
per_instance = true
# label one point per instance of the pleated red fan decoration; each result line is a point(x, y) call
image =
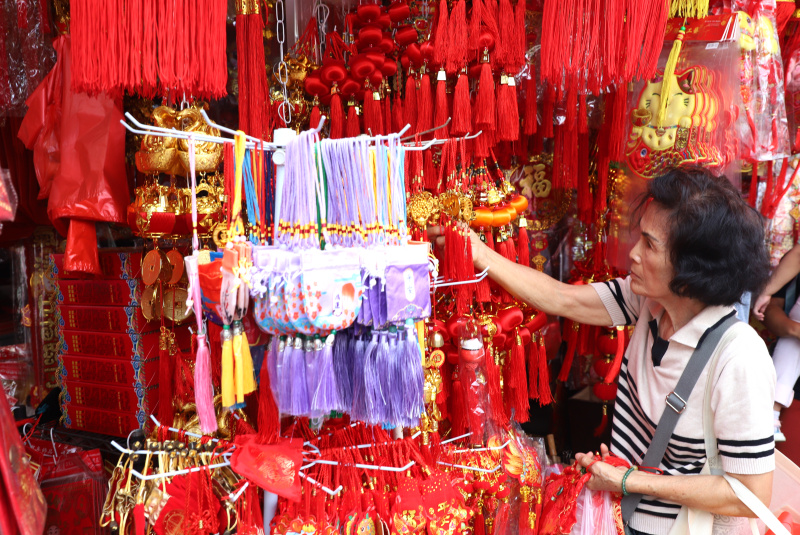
point(150, 47)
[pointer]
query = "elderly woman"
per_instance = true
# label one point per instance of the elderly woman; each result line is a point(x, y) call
point(701, 247)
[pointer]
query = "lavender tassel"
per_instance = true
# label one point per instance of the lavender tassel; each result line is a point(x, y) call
point(326, 396)
point(275, 345)
point(284, 383)
point(343, 351)
point(299, 405)
point(393, 384)
point(359, 409)
point(415, 380)
point(310, 355)
point(375, 368)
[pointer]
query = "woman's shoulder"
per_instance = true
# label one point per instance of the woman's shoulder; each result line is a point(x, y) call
point(745, 350)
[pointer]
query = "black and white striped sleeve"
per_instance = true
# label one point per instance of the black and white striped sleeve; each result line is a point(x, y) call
point(621, 303)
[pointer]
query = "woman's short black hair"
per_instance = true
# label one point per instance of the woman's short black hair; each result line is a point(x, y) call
point(716, 239)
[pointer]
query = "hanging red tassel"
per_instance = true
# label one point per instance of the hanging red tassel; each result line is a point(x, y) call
point(501, 519)
point(533, 369)
point(485, 102)
point(584, 193)
point(508, 38)
point(442, 112)
point(475, 26)
point(442, 37)
point(507, 110)
point(398, 122)
point(571, 336)
point(598, 431)
point(498, 413)
point(523, 247)
point(479, 524)
point(337, 115)
point(429, 174)
point(353, 127)
point(458, 408)
point(613, 372)
point(315, 116)
point(545, 397)
point(425, 104)
point(410, 104)
point(458, 45)
point(547, 112)
point(520, 37)
point(530, 120)
point(269, 423)
point(387, 115)
point(752, 197)
point(617, 135)
point(583, 118)
point(462, 110)
point(518, 381)
point(253, 85)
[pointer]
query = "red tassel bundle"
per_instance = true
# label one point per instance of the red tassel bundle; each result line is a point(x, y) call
point(517, 380)
point(533, 369)
point(143, 48)
point(165, 378)
point(458, 38)
point(337, 116)
point(387, 115)
point(410, 104)
point(353, 127)
point(498, 413)
point(424, 104)
point(508, 38)
point(529, 121)
point(474, 26)
point(398, 122)
point(545, 397)
point(442, 112)
point(572, 328)
point(507, 111)
point(617, 134)
point(485, 102)
point(547, 111)
point(314, 117)
point(583, 117)
point(442, 36)
point(254, 104)
point(462, 110)
point(616, 365)
point(584, 193)
point(523, 248)
point(269, 423)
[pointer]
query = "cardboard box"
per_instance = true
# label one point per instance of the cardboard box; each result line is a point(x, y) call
point(105, 319)
point(109, 371)
point(100, 292)
point(114, 264)
point(111, 398)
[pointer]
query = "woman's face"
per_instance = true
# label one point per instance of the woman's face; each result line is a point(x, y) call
point(651, 270)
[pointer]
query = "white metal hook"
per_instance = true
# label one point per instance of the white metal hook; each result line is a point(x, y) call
point(488, 448)
point(435, 128)
point(320, 485)
point(478, 277)
point(474, 468)
point(455, 438)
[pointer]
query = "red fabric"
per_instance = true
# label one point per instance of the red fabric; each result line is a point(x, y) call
point(273, 468)
point(79, 158)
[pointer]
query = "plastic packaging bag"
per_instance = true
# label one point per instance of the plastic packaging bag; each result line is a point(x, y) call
point(595, 514)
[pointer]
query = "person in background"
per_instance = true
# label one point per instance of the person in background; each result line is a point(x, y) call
point(781, 315)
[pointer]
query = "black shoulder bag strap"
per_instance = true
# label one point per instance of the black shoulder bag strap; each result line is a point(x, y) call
point(676, 403)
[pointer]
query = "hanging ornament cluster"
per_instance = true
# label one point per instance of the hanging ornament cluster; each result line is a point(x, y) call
point(152, 48)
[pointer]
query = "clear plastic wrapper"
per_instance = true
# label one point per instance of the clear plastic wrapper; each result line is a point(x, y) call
point(762, 80)
point(595, 514)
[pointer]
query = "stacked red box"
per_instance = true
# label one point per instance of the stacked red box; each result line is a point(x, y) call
point(109, 352)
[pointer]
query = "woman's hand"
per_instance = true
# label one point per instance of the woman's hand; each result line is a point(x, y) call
point(761, 305)
point(604, 475)
point(436, 237)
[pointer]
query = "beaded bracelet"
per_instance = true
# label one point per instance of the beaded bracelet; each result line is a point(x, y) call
point(624, 478)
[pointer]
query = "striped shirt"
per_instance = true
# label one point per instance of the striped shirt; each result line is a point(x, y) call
point(741, 400)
